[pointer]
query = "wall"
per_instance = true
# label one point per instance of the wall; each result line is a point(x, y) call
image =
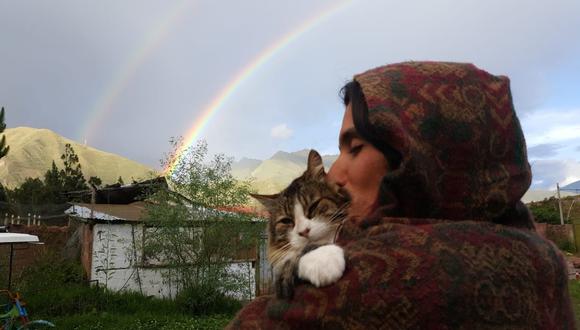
point(54, 240)
point(559, 234)
point(116, 262)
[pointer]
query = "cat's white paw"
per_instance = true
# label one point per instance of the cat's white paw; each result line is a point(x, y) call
point(322, 266)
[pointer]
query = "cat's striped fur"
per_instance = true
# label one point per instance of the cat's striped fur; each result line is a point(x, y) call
point(304, 220)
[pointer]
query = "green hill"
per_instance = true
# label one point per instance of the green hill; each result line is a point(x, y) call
point(274, 174)
point(32, 151)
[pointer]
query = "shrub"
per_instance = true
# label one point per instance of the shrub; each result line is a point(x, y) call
point(205, 300)
point(565, 245)
point(546, 212)
point(51, 269)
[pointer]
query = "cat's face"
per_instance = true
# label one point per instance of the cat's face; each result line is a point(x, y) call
point(309, 210)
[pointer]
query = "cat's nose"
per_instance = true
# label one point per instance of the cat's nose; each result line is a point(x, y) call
point(304, 233)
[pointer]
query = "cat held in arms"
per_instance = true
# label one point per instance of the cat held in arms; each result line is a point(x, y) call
point(304, 222)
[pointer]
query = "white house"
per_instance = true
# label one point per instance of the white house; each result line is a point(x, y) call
point(111, 238)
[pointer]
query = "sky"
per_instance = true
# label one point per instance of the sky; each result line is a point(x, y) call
point(256, 76)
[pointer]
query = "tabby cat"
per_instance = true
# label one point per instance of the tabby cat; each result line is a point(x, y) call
point(304, 220)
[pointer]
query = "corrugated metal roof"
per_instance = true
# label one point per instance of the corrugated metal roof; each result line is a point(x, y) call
point(109, 212)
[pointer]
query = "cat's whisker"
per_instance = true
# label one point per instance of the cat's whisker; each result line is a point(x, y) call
point(279, 253)
point(339, 213)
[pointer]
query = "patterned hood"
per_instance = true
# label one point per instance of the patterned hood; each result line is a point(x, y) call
point(463, 150)
point(463, 157)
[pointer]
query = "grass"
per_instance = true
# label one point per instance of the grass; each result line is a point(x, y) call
point(54, 290)
point(106, 320)
point(574, 289)
point(77, 306)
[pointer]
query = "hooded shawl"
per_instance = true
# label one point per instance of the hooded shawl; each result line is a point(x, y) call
point(451, 245)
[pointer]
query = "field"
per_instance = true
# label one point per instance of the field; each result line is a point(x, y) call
point(55, 292)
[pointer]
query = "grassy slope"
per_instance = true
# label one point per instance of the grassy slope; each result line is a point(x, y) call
point(33, 150)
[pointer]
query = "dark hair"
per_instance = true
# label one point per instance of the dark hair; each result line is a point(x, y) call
point(352, 94)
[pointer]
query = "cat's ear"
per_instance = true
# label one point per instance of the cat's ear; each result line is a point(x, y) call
point(315, 168)
point(269, 201)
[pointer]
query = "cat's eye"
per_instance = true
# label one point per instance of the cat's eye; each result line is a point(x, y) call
point(286, 221)
point(312, 208)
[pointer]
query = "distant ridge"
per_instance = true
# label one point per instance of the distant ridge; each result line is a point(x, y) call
point(274, 174)
point(32, 151)
point(574, 185)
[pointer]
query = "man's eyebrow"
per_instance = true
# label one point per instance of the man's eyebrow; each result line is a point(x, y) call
point(346, 137)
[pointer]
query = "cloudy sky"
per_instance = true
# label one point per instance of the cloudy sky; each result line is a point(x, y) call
point(126, 76)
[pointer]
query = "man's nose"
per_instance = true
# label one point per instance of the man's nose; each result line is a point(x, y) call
point(336, 174)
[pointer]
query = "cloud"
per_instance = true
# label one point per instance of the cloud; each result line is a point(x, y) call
point(546, 173)
point(551, 126)
point(543, 150)
point(281, 132)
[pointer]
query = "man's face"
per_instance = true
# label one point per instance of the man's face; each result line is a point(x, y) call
point(358, 169)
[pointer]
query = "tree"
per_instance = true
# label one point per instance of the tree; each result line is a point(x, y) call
point(3, 194)
point(95, 181)
point(187, 232)
point(72, 174)
point(54, 185)
point(3, 147)
point(120, 181)
point(32, 191)
point(546, 211)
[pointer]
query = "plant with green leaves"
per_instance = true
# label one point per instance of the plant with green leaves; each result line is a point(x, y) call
point(3, 147)
point(546, 211)
point(191, 236)
point(95, 181)
point(72, 174)
point(106, 254)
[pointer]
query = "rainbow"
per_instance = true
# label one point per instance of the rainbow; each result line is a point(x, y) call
point(225, 94)
point(104, 105)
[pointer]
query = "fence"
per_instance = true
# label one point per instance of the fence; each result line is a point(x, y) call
point(264, 273)
point(34, 220)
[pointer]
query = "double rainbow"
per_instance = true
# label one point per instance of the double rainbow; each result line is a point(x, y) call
point(104, 105)
point(234, 84)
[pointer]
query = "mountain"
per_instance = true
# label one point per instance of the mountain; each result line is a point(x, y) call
point(244, 167)
point(537, 195)
point(572, 186)
point(571, 189)
point(274, 174)
point(32, 151)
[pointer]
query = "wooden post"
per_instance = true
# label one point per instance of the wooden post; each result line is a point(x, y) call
point(560, 204)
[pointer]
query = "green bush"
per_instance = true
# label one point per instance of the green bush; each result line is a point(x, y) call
point(546, 212)
point(55, 290)
point(205, 300)
point(50, 270)
point(55, 286)
point(574, 289)
point(566, 245)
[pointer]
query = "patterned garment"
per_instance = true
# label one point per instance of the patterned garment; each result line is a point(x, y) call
point(449, 248)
